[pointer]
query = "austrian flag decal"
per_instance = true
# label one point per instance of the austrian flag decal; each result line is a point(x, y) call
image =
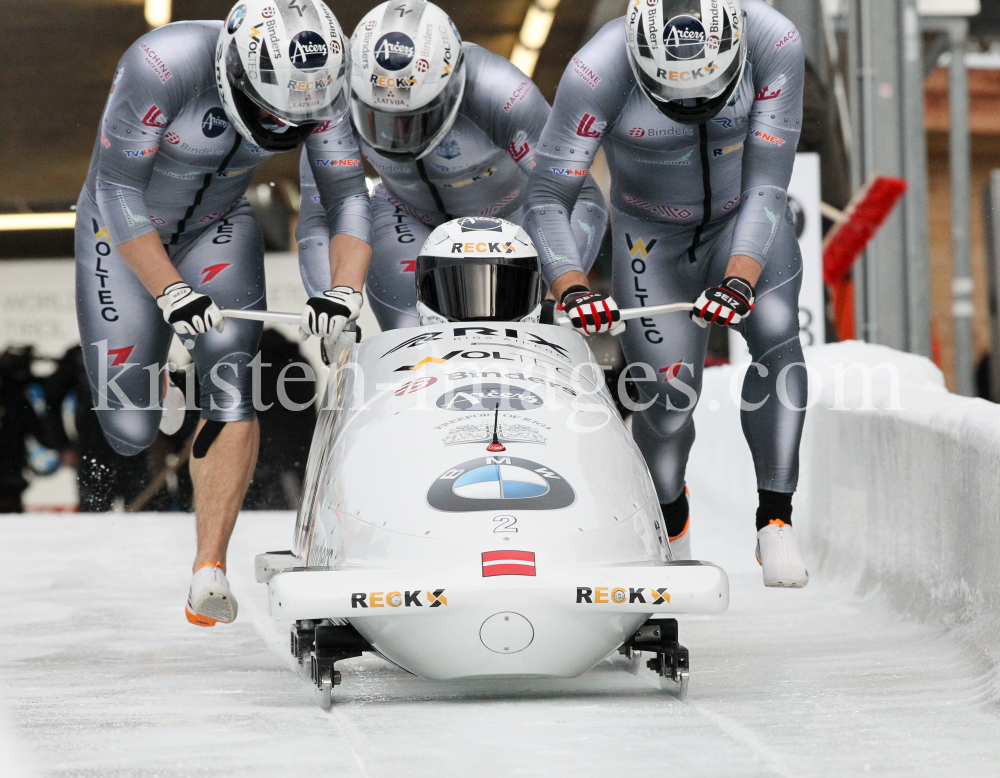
point(508, 563)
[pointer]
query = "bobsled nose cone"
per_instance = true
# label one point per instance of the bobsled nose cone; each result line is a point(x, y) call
point(506, 633)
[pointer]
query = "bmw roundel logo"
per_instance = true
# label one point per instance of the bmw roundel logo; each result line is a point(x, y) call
point(500, 483)
point(236, 18)
point(308, 51)
point(684, 37)
point(394, 51)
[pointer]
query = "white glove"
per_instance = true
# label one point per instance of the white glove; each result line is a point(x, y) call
point(326, 316)
point(188, 312)
point(591, 312)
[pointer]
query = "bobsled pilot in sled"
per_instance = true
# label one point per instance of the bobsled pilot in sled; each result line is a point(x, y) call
point(165, 237)
point(452, 130)
point(698, 106)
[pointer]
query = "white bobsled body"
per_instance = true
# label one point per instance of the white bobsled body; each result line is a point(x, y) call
point(454, 560)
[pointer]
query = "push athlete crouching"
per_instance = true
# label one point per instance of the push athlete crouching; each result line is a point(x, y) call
point(164, 236)
point(698, 105)
point(458, 140)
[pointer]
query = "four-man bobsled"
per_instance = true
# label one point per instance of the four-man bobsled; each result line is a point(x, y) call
point(474, 506)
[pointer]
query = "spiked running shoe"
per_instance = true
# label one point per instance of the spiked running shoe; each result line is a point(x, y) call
point(209, 598)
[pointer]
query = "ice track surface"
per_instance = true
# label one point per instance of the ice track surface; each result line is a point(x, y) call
point(103, 676)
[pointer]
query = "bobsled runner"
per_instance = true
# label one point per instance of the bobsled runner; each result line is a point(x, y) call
point(474, 507)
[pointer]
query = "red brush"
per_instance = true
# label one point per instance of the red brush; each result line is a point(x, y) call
point(857, 224)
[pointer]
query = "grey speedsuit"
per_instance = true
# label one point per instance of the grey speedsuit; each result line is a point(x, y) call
point(167, 160)
point(683, 200)
point(478, 169)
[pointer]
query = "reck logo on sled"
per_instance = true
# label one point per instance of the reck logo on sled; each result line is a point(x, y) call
point(619, 595)
point(435, 599)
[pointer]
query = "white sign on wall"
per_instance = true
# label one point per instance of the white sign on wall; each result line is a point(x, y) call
point(38, 305)
point(804, 200)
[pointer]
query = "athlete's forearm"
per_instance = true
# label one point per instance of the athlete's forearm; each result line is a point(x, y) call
point(147, 258)
point(566, 280)
point(742, 266)
point(349, 258)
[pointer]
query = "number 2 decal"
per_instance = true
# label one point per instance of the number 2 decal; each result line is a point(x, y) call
point(505, 524)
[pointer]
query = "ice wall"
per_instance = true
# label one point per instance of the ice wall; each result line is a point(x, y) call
point(901, 498)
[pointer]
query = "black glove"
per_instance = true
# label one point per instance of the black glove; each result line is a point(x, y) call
point(726, 305)
point(591, 312)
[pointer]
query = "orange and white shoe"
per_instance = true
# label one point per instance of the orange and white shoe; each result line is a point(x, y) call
point(209, 598)
point(779, 554)
point(680, 545)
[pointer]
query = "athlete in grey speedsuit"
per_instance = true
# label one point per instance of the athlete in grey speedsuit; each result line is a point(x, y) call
point(471, 161)
point(698, 106)
point(165, 237)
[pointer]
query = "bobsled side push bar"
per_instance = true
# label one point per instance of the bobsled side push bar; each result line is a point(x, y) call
point(282, 317)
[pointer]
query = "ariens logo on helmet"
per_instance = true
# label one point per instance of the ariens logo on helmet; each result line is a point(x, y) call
point(308, 51)
point(480, 224)
point(394, 51)
point(684, 38)
point(236, 18)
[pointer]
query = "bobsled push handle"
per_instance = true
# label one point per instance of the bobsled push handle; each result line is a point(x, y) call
point(271, 317)
point(636, 313)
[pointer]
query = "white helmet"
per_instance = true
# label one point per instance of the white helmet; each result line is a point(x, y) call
point(407, 77)
point(286, 57)
point(687, 55)
point(478, 268)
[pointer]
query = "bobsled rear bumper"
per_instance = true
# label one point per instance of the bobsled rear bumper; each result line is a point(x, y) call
point(357, 594)
point(453, 625)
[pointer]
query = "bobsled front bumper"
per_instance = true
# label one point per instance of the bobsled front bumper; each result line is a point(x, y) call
point(451, 625)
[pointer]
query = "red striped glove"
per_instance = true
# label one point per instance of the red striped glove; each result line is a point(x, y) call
point(591, 312)
point(726, 305)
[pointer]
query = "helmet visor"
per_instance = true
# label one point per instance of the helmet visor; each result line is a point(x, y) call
point(500, 289)
point(303, 106)
point(408, 132)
